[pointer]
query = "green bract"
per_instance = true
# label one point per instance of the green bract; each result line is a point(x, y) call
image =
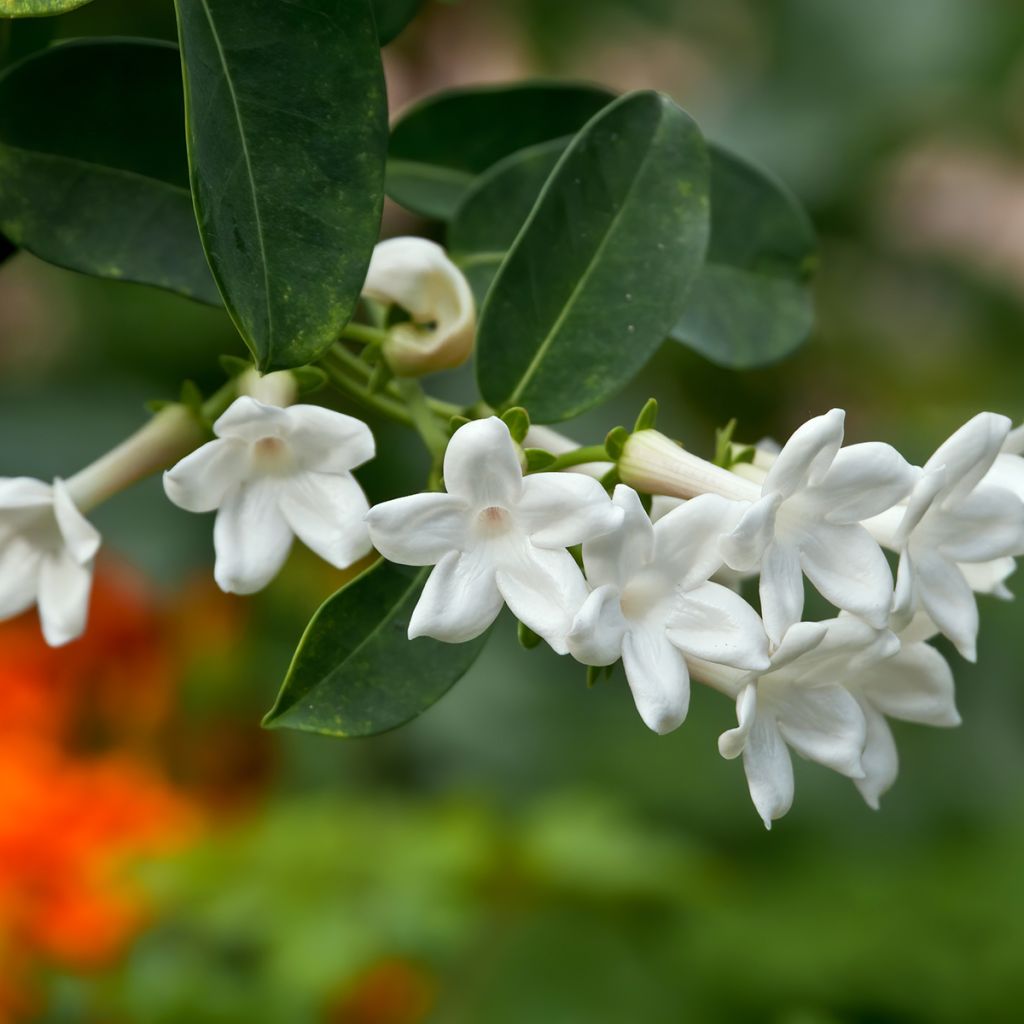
point(287, 132)
point(439, 146)
point(356, 673)
point(600, 271)
point(93, 173)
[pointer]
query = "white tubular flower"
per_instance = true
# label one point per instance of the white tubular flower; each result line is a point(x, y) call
point(417, 275)
point(47, 548)
point(652, 603)
point(802, 702)
point(274, 474)
point(916, 685)
point(494, 536)
point(807, 522)
point(956, 518)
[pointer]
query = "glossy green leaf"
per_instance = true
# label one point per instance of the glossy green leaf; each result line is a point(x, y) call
point(600, 271)
point(287, 134)
point(440, 145)
point(19, 38)
point(356, 673)
point(393, 16)
point(494, 210)
point(38, 8)
point(93, 172)
point(752, 303)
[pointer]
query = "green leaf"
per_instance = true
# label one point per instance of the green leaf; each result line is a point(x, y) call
point(600, 271)
point(393, 16)
point(751, 304)
point(495, 208)
point(440, 145)
point(93, 172)
point(287, 136)
point(6, 249)
point(38, 8)
point(356, 673)
point(21, 37)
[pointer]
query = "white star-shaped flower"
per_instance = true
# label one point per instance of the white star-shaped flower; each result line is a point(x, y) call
point(274, 474)
point(807, 522)
point(958, 516)
point(47, 549)
point(653, 604)
point(494, 537)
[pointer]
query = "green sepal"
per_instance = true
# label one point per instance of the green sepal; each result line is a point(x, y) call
point(191, 397)
point(517, 419)
point(458, 421)
point(526, 636)
point(611, 479)
point(234, 366)
point(155, 405)
point(615, 442)
point(309, 378)
point(723, 443)
point(648, 416)
point(537, 459)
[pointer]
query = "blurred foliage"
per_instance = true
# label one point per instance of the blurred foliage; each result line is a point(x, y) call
point(527, 851)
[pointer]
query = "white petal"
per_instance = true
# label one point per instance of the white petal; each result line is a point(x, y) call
point(716, 625)
point(969, 453)
point(248, 419)
point(848, 568)
point(558, 510)
point(419, 529)
point(928, 491)
point(326, 511)
point(1007, 471)
point(481, 465)
point(658, 679)
point(769, 770)
point(328, 441)
point(459, 600)
point(782, 589)
point(543, 588)
point(19, 576)
point(915, 685)
point(618, 556)
point(807, 454)
point(686, 540)
point(863, 481)
point(64, 586)
point(744, 546)
point(598, 628)
point(201, 480)
point(825, 724)
point(990, 577)
point(732, 741)
point(988, 523)
point(879, 760)
point(251, 537)
point(800, 639)
point(24, 492)
point(946, 596)
point(81, 538)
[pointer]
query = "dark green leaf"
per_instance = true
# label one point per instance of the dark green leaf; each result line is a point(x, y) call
point(287, 132)
point(393, 16)
point(93, 172)
point(751, 304)
point(356, 673)
point(600, 271)
point(6, 249)
point(495, 208)
point(21, 37)
point(440, 145)
point(37, 8)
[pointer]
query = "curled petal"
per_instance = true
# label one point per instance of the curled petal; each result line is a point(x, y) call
point(248, 419)
point(81, 538)
point(715, 624)
point(64, 585)
point(686, 540)
point(968, 454)
point(945, 595)
point(769, 770)
point(24, 492)
point(201, 480)
point(807, 455)
point(863, 481)
point(825, 724)
point(615, 557)
point(744, 546)
point(459, 600)
point(782, 590)
point(326, 511)
point(558, 510)
point(328, 441)
point(915, 685)
point(598, 629)
point(879, 760)
point(732, 741)
point(419, 529)
point(251, 537)
point(658, 678)
point(481, 465)
point(799, 641)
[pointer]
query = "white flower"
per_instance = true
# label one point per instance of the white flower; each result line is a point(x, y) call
point(47, 548)
point(916, 685)
point(652, 603)
point(273, 474)
point(417, 275)
point(802, 702)
point(956, 517)
point(494, 537)
point(807, 522)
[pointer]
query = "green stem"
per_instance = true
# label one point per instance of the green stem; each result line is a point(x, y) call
point(219, 400)
point(338, 374)
point(435, 437)
point(364, 334)
point(579, 457)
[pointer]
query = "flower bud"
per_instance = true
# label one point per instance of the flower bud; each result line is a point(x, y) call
point(417, 275)
point(279, 388)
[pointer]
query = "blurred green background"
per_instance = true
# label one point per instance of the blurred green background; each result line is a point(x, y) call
point(527, 851)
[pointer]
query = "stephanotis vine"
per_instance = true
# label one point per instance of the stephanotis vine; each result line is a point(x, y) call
point(563, 535)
